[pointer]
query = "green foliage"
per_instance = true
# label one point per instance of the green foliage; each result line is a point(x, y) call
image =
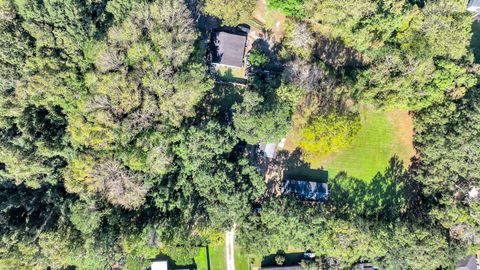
point(403, 45)
point(257, 120)
point(231, 12)
point(327, 134)
point(113, 147)
point(293, 8)
point(257, 58)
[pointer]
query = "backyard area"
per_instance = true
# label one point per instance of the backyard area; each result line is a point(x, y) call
point(382, 135)
point(228, 74)
point(217, 259)
point(242, 259)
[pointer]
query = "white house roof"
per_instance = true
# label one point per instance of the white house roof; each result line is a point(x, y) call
point(473, 5)
point(161, 265)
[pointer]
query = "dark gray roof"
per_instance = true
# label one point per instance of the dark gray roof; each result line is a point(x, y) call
point(295, 267)
point(468, 263)
point(306, 190)
point(229, 49)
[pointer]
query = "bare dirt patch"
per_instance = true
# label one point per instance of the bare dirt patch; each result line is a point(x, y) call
point(404, 131)
point(268, 24)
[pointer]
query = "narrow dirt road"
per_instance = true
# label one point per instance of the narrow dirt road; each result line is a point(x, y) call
point(230, 249)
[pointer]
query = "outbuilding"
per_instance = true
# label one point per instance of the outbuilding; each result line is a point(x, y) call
point(159, 265)
point(473, 6)
point(306, 190)
point(468, 263)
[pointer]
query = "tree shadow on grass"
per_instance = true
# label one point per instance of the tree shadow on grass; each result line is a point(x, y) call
point(475, 41)
point(288, 165)
point(293, 258)
point(227, 76)
point(295, 167)
point(388, 196)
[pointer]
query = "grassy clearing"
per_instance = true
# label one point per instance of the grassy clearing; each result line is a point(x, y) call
point(228, 74)
point(242, 259)
point(382, 135)
point(217, 257)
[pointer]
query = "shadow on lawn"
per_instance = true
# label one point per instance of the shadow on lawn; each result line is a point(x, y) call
point(290, 166)
point(297, 168)
point(389, 195)
point(290, 259)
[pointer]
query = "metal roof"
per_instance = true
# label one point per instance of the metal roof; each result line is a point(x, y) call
point(270, 150)
point(159, 265)
point(229, 49)
point(468, 263)
point(297, 267)
point(306, 190)
point(473, 5)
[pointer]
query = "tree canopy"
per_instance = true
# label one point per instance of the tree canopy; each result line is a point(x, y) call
point(117, 145)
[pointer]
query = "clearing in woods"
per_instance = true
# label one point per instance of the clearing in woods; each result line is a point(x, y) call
point(382, 135)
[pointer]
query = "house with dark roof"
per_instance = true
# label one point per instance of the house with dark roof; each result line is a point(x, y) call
point(305, 190)
point(228, 49)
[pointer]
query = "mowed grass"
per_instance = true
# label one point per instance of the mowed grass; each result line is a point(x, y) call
point(228, 74)
point(382, 135)
point(201, 259)
point(217, 258)
point(241, 259)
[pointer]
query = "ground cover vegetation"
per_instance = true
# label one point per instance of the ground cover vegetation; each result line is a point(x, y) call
point(116, 146)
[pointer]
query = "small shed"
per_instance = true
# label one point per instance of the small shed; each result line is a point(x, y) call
point(228, 49)
point(473, 6)
point(468, 263)
point(269, 150)
point(295, 267)
point(364, 266)
point(159, 265)
point(306, 190)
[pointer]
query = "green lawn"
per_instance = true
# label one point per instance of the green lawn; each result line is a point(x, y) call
point(201, 260)
point(217, 257)
point(381, 136)
point(228, 74)
point(241, 260)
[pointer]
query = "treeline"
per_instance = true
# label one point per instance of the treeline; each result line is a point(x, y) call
point(107, 158)
point(114, 147)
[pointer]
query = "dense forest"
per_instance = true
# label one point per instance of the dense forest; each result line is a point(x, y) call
point(115, 146)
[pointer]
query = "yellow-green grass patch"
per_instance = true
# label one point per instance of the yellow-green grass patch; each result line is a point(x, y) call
point(382, 136)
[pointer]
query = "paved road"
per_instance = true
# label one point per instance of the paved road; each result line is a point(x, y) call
point(230, 249)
